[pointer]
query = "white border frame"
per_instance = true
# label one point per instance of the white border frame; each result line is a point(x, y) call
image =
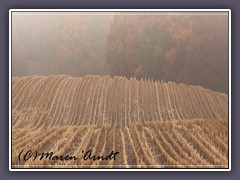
point(118, 10)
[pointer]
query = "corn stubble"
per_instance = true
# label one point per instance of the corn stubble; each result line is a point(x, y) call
point(152, 124)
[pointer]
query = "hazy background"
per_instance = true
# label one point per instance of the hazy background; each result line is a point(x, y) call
point(183, 48)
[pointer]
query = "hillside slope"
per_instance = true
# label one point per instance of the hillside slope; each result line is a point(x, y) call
point(150, 124)
point(65, 100)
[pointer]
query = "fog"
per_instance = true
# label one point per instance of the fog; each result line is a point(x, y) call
point(59, 44)
point(184, 48)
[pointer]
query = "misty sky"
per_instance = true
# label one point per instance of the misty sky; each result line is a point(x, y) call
point(122, 43)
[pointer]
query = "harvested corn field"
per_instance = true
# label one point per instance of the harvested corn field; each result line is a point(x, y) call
point(150, 124)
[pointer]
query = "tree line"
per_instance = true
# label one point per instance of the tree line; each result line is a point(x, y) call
point(188, 48)
point(191, 49)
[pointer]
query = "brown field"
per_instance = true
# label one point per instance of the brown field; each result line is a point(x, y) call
point(151, 124)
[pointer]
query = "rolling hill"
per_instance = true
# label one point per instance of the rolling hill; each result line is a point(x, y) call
point(151, 124)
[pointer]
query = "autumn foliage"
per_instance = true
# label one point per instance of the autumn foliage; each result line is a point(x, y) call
point(191, 49)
